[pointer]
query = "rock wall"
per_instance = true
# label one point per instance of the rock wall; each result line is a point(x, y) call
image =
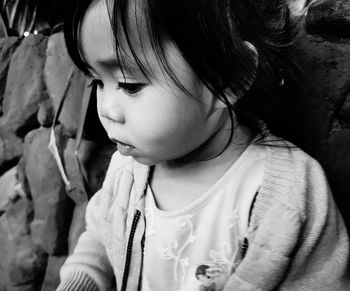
point(41, 218)
point(322, 100)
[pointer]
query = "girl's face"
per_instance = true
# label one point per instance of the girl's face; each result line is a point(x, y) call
point(152, 120)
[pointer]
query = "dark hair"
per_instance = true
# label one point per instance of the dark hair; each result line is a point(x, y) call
point(211, 36)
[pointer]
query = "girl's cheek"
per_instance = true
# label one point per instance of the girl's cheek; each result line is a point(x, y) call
point(104, 125)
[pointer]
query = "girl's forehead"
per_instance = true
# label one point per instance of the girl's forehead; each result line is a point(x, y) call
point(96, 34)
point(97, 39)
point(101, 11)
point(98, 46)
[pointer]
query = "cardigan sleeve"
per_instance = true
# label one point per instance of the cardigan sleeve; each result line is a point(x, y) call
point(268, 257)
point(299, 241)
point(88, 268)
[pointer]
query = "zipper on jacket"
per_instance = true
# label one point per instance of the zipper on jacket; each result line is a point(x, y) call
point(245, 243)
point(129, 249)
point(244, 248)
point(141, 268)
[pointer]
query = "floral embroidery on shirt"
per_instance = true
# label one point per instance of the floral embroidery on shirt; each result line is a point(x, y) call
point(232, 219)
point(174, 252)
point(227, 255)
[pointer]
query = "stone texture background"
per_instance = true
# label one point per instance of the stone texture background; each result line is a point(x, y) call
point(40, 219)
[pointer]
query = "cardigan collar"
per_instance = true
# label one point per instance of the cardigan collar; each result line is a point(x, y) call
point(141, 175)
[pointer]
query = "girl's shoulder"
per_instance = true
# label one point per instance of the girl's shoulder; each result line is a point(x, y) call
point(122, 171)
point(117, 164)
point(292, 179)
point(125, 179)
point(286, 160)
point(294, 222)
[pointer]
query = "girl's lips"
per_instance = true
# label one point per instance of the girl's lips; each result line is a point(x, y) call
point(124, 149)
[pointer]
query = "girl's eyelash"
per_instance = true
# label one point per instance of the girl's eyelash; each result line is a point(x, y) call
point(131, 88)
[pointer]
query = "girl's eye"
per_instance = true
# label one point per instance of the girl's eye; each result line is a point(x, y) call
point(96, 84)
point(131, 88)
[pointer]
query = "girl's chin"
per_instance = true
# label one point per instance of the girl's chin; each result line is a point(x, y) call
point(155, 159)
point(145, 160)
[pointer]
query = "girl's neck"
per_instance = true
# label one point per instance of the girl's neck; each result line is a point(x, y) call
point(196, 161)
point(178, 183)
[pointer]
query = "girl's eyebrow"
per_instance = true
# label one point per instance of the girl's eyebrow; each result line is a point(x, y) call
point(112, 64)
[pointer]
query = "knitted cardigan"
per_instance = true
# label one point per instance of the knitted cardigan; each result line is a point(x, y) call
point(297, 238)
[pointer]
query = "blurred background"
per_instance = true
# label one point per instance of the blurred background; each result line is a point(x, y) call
point(45, 100)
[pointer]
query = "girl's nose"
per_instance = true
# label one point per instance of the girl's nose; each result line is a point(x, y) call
point(109, 105)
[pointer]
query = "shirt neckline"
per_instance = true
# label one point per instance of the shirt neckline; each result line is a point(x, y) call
point(206, 197)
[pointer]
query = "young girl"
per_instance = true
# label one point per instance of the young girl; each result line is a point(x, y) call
point(199, 196)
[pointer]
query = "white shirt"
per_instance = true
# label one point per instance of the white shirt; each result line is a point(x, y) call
point(199, 246)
